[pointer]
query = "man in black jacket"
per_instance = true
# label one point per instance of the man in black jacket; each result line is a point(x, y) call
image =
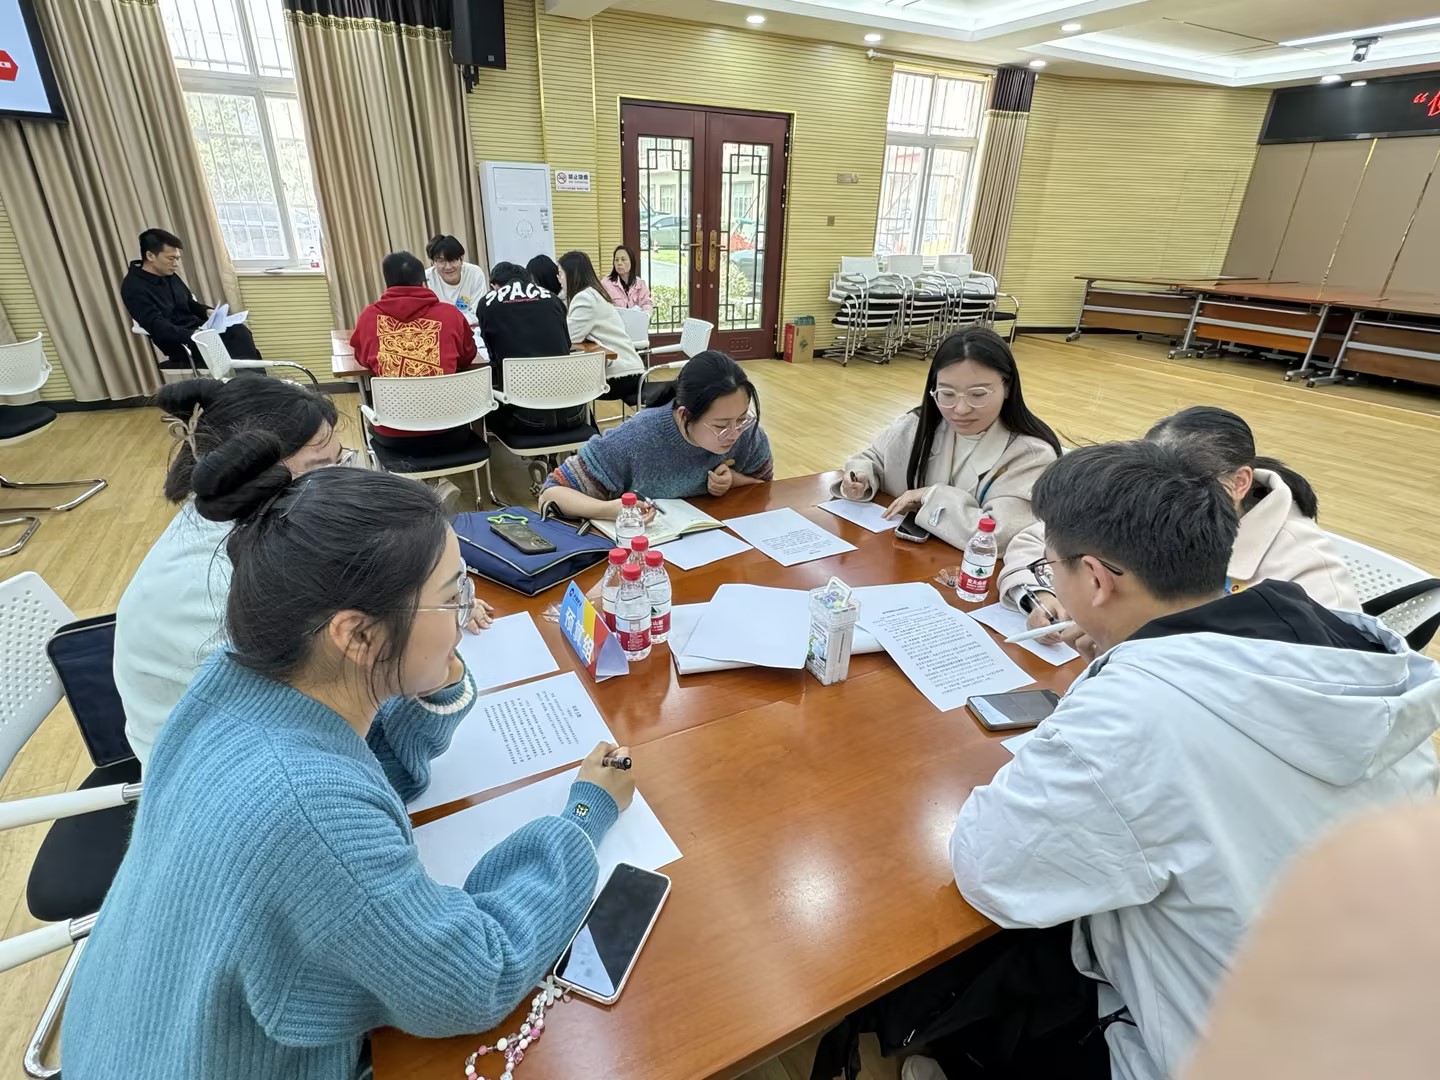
point(164, 307)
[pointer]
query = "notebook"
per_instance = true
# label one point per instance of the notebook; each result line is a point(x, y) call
point(674, 518)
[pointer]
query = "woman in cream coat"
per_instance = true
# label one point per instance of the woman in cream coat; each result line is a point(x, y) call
point(1278, 537)
point(972, 448)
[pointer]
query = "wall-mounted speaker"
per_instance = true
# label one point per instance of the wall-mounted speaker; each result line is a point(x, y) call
point(478, 33)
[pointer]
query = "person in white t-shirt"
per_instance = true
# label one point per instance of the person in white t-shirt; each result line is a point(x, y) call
point(452, 279)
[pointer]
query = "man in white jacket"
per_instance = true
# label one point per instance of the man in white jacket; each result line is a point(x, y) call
point(1211, 740)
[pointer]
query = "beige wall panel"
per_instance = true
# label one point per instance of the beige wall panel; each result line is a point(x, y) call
point(1389, 196)
point(1269, 198)
point(1321, 207)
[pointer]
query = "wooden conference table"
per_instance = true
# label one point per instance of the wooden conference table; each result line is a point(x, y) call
point(814, 824)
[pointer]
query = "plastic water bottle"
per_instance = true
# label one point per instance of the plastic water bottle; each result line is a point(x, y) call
point(628, 523)
point(657, 588)
point(632, 619)
point(610, 586)
point(639, 545)
point(978, 566)
point(314, 259)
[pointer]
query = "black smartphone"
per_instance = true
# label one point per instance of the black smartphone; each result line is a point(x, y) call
point(598, 959)
point(909, 529)
point(1018, 709)
point(521, 536)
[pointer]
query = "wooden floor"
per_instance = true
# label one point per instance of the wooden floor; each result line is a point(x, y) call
point(1371, 453)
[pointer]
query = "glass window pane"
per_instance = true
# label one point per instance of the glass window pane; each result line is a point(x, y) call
point(744, 202)
point(900, 200)
point(232, 152)
point(957, 108)
point(910, 102)
point(945, 202)
point(267, 33)
point(665, 183)
point(292, 159)
point(205, 35)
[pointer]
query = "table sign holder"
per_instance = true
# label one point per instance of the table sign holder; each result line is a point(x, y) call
point(599, 649)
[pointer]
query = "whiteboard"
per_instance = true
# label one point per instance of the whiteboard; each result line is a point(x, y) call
point(518, 214)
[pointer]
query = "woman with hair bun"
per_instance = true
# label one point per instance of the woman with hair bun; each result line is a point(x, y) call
point(272, 909)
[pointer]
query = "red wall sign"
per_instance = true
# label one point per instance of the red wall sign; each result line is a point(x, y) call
point(9, 70)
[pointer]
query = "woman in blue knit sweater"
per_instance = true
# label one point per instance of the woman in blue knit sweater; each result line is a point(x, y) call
point(271, 909)
point(701, 435)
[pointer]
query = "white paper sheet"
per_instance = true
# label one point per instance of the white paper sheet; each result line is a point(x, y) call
point(751, 624)
point(510, 650)
point(1015, 742)
point(944, 653)
point(865, 514)
point(450, 847)
point(221, 319)
point(1008, 623)
point(788, 537)
point(700, 549)
point(515, 733)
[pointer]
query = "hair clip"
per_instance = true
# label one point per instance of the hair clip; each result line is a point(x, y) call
point(184, 430)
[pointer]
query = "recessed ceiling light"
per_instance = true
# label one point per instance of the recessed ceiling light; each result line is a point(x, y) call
point(755, 20)
point(1358, 82)
point(1071, 28)
point(1037, 63)
point(874, 39)
point(1329, 78)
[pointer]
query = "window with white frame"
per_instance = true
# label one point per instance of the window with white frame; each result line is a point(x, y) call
point(238, 76)
point(931, 143)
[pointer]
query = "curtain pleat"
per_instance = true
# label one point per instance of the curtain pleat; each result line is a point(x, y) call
point(1006, 122)
point(80, 193)
point(385, 122)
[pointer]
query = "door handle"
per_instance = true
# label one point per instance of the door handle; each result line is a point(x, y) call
point(714, 249)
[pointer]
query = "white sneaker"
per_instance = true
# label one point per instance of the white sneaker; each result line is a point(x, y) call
point(921, 1068)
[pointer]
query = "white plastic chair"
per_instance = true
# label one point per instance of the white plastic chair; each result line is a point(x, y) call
point(30, 613)
point(1377, 573)
point(169, 375)
point(905, 265)
point(425, 404)
point(861, 265)
point(637, 326)
point(694, 339)
point(223, 366)
point(960, 265)
point(23, 371)
point(550, 382)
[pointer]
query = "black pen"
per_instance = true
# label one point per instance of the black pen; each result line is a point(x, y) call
point(609, 762)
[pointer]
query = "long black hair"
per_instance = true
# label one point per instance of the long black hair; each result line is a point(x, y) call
point(706, 376)
point(1220, 442)
point(542, 268)
point(579, 276)
point(305, 548)
point(614, 275)
point(987, 348)
point(294, 415)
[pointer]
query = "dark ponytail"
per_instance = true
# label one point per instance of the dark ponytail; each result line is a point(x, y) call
point(1221, 442)
point(209, 412)
point(707, 376)
point(305, 548)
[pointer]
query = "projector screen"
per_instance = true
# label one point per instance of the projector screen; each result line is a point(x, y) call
point(27, 84)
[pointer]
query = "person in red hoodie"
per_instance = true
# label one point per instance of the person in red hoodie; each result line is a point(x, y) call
point(410, 331)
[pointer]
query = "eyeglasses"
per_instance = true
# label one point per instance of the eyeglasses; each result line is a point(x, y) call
point(977, 397)
point(739, 427)
point(347, 457)
point(1043, 569)
point(463, 608)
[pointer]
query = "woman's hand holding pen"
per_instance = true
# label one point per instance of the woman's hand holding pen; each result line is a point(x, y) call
point(852, 487)
point(618, 781)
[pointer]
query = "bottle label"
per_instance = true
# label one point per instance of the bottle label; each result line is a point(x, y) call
point(660, 620)
point(634, 635)
point(975, 576)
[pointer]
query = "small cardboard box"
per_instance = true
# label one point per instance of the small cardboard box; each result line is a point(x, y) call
point(800, 340)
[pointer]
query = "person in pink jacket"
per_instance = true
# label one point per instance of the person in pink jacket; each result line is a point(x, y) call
point(1278, 538)
point(624, 283)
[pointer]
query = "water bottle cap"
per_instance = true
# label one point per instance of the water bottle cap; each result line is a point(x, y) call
point(618, 555)
point(629, 499)
point(987, 524)
point(654, 558)
point(639, 543)
point(631, 572)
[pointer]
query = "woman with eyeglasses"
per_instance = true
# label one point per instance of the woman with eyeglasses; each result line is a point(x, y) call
point(971, 448)
point(701, 436)
point(272, 908)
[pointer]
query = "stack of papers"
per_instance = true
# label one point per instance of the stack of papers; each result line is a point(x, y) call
point(221, 319)
point(510, 650)
point(747, 625)
point(673, 519)
point(787, 537)
point(867, 515)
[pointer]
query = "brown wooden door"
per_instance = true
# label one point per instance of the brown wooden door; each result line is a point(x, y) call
point(704, 206)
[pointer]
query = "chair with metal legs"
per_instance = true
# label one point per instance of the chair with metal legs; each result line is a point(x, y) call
point(223, 366)
point(23, 371)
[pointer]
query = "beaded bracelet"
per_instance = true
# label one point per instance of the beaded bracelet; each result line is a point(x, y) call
point(514, 1046)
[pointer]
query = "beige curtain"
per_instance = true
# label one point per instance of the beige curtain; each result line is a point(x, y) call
point(385, 121)
point(1000, 167)
point(79, 194)
point(7, 332)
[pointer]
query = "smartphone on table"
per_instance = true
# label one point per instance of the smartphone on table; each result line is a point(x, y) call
point(519, 535)
point(1017, 709)
point(600, 957)
point(910, 529)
